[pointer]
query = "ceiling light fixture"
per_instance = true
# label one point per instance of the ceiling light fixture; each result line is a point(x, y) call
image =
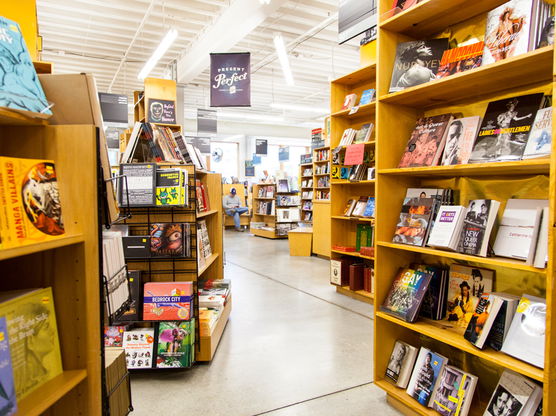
point(283, 57)
point(165, 43)
point(300, 108)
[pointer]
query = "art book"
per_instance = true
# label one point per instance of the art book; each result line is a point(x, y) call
point(32, 212)
point(20, 85)
point(428, 367)
point(511, 394)
point(406, 294)
point(171, 185)
point(447, 227)
point(426, 142)
point(415, 220)
point(137, 186)
point(539, 143)
point(139, 348)
point(176, 344)
point(505, 129)
point(454, 392)
point(481, 322)
point(364, 133)
point(460, 140)
point(465, 286)
point(401, 364)
point(167, 240)
point(416, 62)
point(113, 336)
point(477, 226)
point(461, 59)
point(8, 400)
point(367, 96)
point(167, 301)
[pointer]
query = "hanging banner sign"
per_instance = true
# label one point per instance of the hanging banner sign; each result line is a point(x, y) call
point(261, 146)
point(230, 79)
point(283, 154)
point(249, 168)
point(207, 122)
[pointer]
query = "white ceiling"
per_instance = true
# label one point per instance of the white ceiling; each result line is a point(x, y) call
point(93, 36)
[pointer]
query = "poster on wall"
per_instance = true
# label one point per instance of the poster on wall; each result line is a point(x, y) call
point(249, 168)
point(257, 160)
point(261, 146)
point(230, 79)
point(161, 111)
point(283, 153)
point(113, 108)
point(207, 122)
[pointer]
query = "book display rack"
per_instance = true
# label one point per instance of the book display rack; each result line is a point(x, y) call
point(307, 191)
point(321, 201)
point(267, 221)
point(466, 93)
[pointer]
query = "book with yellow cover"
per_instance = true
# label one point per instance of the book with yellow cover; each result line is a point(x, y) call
point(33, 337)
point(33, 211)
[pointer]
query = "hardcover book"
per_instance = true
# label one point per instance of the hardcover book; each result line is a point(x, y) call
point(8, 400)
point(168, 240)
point(339, 271)
point(447, 228)
point(401, 364)
point(139, 348)
point(367, 96)
point(428, 367)
point(503, 320)
point(477, 226)
point(349, 101)
point(426, 142)
point(416, 62)
point(454, 392)
point(176, 344)
point(167, 301)
point(170, 187)
point(433, 305)
point(415, 220)
point(370, 208)
point(505, 129)
point(539, 143)
point(139, 184)
point(481, 322)
point(460, 140)
point(406, 294)
point(511, 394)
point(461, 59)
point(364, 133)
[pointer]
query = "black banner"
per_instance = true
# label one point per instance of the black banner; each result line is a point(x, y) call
point(113, 108)
point(201, 143)
point(261, 146)
point(207, 122)
point(161, 111)
point(230, 79)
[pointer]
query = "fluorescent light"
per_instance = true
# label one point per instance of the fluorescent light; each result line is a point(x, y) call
point(283, 57)
point(264, 1)
point(247, 116)
point(301, 108)
point(158, 53)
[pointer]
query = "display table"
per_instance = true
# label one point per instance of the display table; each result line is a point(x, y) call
point(301, 241)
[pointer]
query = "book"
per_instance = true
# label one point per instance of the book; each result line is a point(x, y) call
point(167, 301)
point(416, 62)
point(171, 187)
point(547, 33)
point(114, 335)
point(370, 208)
point(425, 375)
point(139, 348)
point(114, 272)
point(363, 135)
point(204, 250)
point(454, 392)
point(169, 239)
point(415, 220)
point(541, 253)
point(533, 403)
point(460, 140)
point(356, 276)
point(406, 294)
point(20, 85)
point(505, 129)
point(503, 320)
point(349, 101)
point(137, 185)
point(447, 227)
point(465, 286)
point(433, 305)
point(510, 395)
point(360, 206)
point(481, 322)
point(539, 143)
point(400, 364)
point(33, 338)
point(339, 271)
point(461, 59)
point(427, 142)
point(480, 216)
point(137, 247)
point(8, 400)
point(519, 227)
point(402, 5)
point(367, 96)
point(525, 339)
point(350, 205)
point(175, 346)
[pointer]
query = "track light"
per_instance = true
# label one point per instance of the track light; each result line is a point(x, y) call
point(165, 43)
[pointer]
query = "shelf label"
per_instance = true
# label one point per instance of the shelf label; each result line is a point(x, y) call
point(354, 154)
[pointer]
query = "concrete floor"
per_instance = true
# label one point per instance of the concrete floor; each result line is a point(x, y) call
point(292, 346)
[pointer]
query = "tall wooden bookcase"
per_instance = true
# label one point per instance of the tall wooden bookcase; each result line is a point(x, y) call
point(304, 179)
point(344, 229)
point(70, 264)
point(467, 93)
point(268, 219)
point(321, 206)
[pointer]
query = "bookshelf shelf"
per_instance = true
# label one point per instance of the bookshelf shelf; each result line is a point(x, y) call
point(352, 254)
point(322, 174)
point(38, 247)
point(306, 164)
point(307, 177)
point(208, 263)
point(41, 399)
point(371, 143)
point(360, 295)
point(264, 198)
point(207, 213)
point(13, 118)
point(209, 344)
point(321, 161)
point(346, 182)
point(519, 71)
point(341, 217)
point(358, 76)
point(364, 110)
point(439, 332)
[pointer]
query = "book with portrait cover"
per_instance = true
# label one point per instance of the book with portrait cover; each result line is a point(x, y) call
point(401, 364)
point(416, 62)
point(480, 216)
point(426, 143)
point(505, 129)
point(425, 376)
point(454, 392)
point(461, 59)
point(539, 143)
point(481, 322)
point(176, 344)
point(406, 294)
point(510, 395)
point(460, 140)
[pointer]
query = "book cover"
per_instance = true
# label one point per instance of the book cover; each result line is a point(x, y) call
point(33, 205)
point(415, 220)
point(113, 336)
point(360, 206)
point(505, 129)
point(339, 271)
point(356, 276)
point(138, 185)
point(167, 240)
point(416, 62)
point(454, 392)
point(349, 101)
point(33, 337)
point(428, 367)
point(431, 307)
point(426, 142)
point(525, 339)
point(503, 320)
point(461, 59)
point(364, 133)
point(460, 140)
point(539, 143)
point(401, 364)
point(139, 348)
point(447, 227)
point(477, 226)
point(403, 5)
point(8, 400)
point(367, 96)
point(541, 254)
point(481, 322)
point(406, 294)
point(547, 33)
point(465, 286)
point(511, 395)
point(370, 208)
point(167, 301)
point(169, 187)
point(176, 344)
point(20, 85)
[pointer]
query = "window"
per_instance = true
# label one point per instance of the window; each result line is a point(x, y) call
point(225, 159)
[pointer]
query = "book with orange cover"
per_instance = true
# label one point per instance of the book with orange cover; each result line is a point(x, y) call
point(461, 59)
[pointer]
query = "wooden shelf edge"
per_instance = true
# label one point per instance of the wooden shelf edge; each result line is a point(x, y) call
point(363, 110)
point(205, 214)
point(360, 73)
point(346, 182)
point(67, 240)
point(360, 295)
point(401, 396)
point(207, 264)
point(352, 253)
point(209, 344)
point(9, 117)
point(341, 217)
point(41, 399)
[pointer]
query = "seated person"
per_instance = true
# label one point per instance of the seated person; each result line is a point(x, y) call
point(232, 207)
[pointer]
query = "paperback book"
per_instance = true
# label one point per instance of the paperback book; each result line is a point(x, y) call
point(481, 322)
point(460, 140)
point(511, 394)
point(367, 96)
point(176, 344)
point(477, 226)
point(447, 227)
point(454, 392)
point(427, 370)
point(401, 364)
point(539, 143)
point(169, 239)
point(8, 400)
point(139, 348)
point(415, 220)
point(137, 185)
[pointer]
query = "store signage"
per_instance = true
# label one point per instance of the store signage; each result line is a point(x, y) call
point(257, 160)
point(249, 168)
point(207, 122)
point(113, 108)
point(161, 111)
point(230, 79)
point(354, 154)
point(261, 146)
point(201, 143)
point(283, 154)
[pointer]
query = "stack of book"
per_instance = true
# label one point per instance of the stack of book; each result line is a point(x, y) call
point(213, 297)
point(363, 206)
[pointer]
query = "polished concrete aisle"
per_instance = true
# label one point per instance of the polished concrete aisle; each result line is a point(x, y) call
point(292, 346)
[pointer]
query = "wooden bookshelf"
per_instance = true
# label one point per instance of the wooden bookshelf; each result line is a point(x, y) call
point(269, 219)
point(305, 188)
point(467, 93)
point(321, 206)
point(360, 295)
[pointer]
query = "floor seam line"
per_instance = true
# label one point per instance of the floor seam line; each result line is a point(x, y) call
point(300, 290)
point(314, 398)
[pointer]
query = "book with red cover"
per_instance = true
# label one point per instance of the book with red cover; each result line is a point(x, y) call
point(347, 249)
point(199, 196)
point(206, 201)
point(367, 280)
point(356, 276)
point(461, 59)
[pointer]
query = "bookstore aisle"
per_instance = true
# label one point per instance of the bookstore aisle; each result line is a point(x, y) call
point(292, 346)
